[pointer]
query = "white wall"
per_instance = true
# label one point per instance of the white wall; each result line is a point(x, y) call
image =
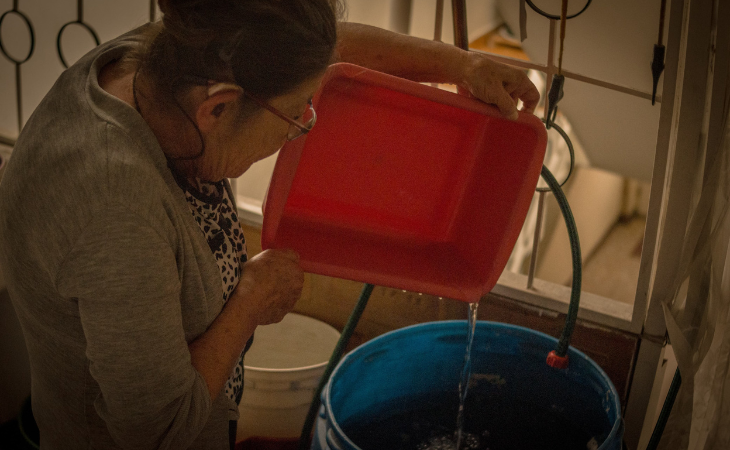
point(481, 17)
point(371, 12)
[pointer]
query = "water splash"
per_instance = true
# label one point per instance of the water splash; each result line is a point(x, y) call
point(465, 375)
point(446, 442)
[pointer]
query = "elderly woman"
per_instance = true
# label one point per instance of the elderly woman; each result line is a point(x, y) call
point(123, 253)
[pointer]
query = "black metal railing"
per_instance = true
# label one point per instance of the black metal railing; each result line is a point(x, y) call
point(18, 62)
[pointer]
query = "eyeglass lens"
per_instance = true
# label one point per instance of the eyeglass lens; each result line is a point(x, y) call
point(307, 119)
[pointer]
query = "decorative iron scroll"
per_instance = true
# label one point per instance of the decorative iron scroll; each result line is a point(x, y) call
point(15, 11)
point(79, 21)
point(18, 62)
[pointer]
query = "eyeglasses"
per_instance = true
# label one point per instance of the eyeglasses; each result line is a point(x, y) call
point(297, 128)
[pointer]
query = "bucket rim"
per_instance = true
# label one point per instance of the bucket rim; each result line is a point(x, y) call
point(324, 326)
point(615, 429)
point(285, 370)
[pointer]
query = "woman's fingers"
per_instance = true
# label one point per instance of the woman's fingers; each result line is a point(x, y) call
point(271, 284)
point(504, 102)
point(528, 93)
point(501, 85)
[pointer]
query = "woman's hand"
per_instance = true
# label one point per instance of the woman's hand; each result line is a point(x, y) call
point(270, 285)
point(499, 84)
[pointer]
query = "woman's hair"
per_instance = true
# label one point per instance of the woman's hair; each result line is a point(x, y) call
point(268, 47)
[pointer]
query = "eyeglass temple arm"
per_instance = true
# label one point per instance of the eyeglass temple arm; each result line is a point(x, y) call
point(278, 113)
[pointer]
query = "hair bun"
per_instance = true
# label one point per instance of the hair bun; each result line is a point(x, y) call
point(269, 47)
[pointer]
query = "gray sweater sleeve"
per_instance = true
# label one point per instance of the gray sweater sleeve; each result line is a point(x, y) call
point(124, 276)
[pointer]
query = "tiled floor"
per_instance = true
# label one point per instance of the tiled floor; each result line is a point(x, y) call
point(613, 269)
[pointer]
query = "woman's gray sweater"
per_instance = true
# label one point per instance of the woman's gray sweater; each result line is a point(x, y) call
point(109, 274)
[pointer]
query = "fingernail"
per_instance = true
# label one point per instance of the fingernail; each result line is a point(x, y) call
point(514, 115)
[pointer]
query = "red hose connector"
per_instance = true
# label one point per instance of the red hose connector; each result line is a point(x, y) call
point(557, 362)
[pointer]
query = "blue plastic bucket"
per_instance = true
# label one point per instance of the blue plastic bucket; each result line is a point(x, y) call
point(379, 392)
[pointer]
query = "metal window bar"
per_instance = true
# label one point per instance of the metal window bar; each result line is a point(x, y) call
point(80, 22)
point(17, 62)
point(568, 74)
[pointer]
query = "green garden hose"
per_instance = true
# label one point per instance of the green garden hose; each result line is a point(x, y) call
point(564, 342)
point(305, 439)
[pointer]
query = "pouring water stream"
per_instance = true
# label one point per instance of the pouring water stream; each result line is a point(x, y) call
point(465, 374)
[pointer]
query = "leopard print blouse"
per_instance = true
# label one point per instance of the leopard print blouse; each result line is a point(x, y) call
point(215, 213)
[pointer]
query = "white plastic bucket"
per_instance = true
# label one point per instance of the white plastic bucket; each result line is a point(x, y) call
point(281, 373)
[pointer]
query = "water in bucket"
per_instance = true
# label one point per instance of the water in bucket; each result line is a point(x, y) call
point(491, 423)
point(399, 392)
point(443, 439)
point(428, 427)
point(459, 440)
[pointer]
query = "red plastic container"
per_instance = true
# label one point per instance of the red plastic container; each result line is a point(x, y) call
point(404, 185)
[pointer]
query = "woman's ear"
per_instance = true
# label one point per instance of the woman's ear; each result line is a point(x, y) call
point(221, 96)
